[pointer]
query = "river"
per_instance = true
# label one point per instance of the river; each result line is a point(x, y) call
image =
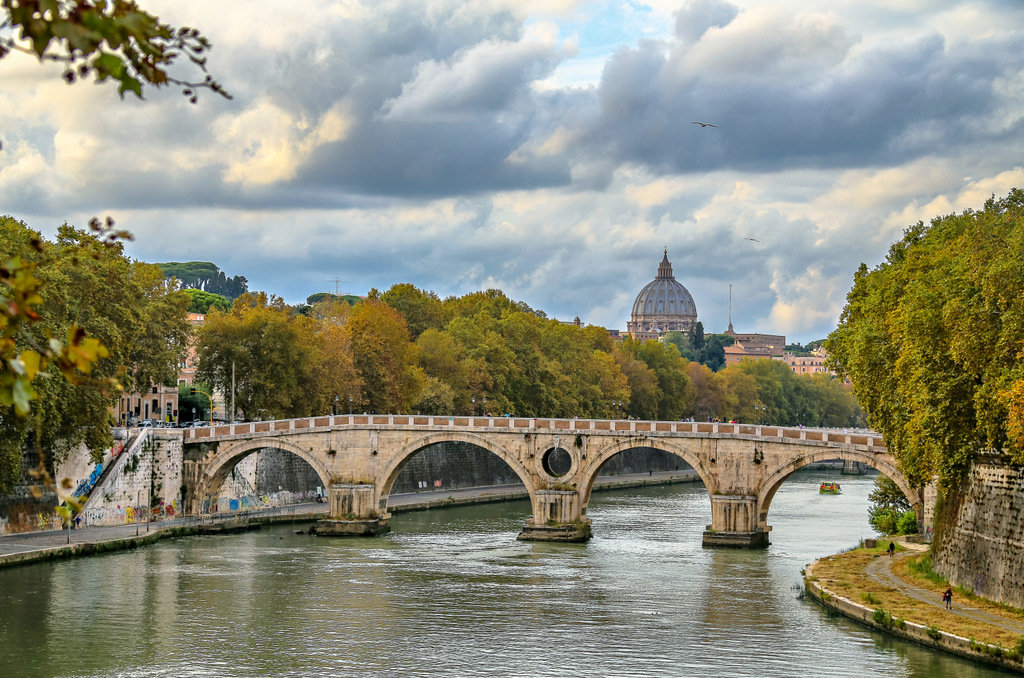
point(451, 593)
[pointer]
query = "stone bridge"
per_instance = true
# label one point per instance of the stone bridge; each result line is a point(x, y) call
point(359, 457)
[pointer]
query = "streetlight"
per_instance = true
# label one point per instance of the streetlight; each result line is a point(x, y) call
point(350, 404)
point(335, 410)
point(195, 390)
point(473, 411)
point(485, 406)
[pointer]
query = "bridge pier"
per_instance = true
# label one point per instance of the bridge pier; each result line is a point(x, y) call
point(734, 523)
point(353, 513)
point(557, 516)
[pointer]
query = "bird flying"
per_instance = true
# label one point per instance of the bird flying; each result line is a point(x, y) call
point(703, 124)
point(747, 237)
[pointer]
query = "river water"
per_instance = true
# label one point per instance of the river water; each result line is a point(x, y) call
point(451, 593)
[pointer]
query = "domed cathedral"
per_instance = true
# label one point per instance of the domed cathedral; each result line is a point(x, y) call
point(663, 305)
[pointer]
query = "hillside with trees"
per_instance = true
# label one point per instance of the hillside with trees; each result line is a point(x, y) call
point(205, 276)
point(932, 341)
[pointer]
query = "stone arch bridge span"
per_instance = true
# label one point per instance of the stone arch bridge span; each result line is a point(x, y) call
point(358, 458)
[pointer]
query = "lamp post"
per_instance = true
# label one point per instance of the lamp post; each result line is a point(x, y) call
point(335, 410)
point(350, 404)
point(484, 412)
point(195, 390)
point(473, 410)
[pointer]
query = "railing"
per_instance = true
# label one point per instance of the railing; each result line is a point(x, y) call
point(527, 424)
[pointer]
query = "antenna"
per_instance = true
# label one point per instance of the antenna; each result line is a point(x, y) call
point(336, 281)
point(730, 308)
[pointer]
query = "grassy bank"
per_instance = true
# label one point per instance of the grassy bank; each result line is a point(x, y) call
point(914, 600)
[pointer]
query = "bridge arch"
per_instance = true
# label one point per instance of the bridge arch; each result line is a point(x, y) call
point(386, 479)
point(685, 449)
point(882, 463)
point(228, 455)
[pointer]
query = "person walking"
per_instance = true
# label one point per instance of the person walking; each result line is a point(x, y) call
point(892, 547)
point(947, 597)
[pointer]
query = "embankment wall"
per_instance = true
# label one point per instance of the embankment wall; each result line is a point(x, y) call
point(981, 546)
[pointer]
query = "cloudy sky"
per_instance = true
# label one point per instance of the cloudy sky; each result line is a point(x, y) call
point(544, 148)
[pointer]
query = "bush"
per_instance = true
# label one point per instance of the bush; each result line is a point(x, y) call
point(883, 520)
point(907, 523)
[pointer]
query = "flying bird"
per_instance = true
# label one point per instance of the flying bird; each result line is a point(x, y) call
point(747, 237)
point(703, 124)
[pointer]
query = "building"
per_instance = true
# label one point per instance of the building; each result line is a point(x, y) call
point(811, 364)
point(161, 404)
point(663, 305)
point(757, 346)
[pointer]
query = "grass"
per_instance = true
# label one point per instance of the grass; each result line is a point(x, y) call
point(843, 574)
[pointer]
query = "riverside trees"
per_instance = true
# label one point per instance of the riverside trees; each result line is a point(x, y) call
point(406, 350)
point(931, 339)
point(136, 328)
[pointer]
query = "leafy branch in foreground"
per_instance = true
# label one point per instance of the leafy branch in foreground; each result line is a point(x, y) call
point(109, 39)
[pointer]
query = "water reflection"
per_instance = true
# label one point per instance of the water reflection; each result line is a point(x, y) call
point(450, 592)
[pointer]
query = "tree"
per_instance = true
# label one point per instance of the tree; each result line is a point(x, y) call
point(888, 507)
point(931, 341)
point(205, 276)
point(202, 302)
point(421, 310)
point(108, 39)
point(384, 357)
point(266, 348)
point(134, 323)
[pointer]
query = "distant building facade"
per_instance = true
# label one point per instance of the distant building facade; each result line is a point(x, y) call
point(756, 346)
point(663, 305)
point(810, 364)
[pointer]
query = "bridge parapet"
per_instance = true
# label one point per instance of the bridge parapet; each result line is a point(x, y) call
point(866, 439)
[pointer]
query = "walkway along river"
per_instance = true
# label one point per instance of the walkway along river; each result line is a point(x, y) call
point(451, 592)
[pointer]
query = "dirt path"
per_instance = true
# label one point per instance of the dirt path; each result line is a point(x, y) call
point(880, 571)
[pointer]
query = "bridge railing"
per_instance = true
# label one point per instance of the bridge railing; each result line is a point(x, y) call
point(527, 424)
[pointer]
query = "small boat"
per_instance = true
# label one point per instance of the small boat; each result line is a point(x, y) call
point(830, 488)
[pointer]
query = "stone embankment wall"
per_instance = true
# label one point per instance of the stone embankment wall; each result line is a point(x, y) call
point(147, 474)
point(982, 543)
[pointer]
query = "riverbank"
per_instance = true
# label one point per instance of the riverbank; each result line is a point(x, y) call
point(33, 547)
point(900, 596)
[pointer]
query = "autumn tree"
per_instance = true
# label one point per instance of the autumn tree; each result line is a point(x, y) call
point(931, 339)
point(384, 357)
point(265, 346)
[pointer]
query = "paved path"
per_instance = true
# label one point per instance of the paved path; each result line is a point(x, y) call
point(880, 571)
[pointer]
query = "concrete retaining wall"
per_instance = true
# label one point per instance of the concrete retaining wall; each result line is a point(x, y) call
point(982, 546)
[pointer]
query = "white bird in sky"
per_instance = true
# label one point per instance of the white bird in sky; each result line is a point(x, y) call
point(703, 124)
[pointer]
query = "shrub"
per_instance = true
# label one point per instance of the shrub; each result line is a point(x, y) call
point(882, 618)
point(907, 523)
point(933, 632)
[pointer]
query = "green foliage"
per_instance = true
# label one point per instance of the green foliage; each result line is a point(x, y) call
point(109, 39)
point(706, 349)
point(202, 302)
point(933, 632)
point(882, 618)
point(121, 325)
point(205, 276)
point(931, 340)
point(907, 523)
point(320, 297)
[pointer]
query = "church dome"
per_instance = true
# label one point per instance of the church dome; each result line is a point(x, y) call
point(663, 305)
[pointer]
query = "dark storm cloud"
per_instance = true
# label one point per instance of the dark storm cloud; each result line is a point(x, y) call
point(867, 109)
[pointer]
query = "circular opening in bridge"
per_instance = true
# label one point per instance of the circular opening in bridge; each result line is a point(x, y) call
point(557, 462)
